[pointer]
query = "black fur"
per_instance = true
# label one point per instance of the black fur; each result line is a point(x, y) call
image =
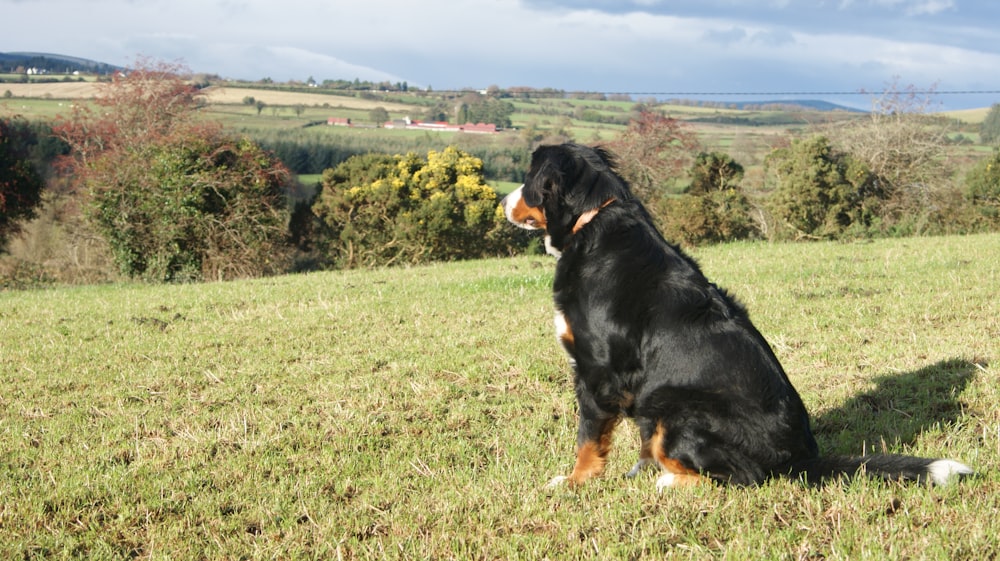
point(654, 340)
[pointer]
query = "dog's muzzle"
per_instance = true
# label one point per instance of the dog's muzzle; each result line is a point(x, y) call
point(520, 214)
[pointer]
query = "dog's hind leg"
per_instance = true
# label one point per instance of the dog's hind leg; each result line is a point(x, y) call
point(675, 474)
point(646, 430)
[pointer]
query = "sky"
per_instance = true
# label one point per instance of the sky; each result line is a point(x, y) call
point(753, 50)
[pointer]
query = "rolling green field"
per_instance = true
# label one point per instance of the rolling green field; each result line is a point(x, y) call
point(746, 134)
point(417, 413)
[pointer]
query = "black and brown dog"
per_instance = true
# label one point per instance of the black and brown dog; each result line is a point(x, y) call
point(650, 338)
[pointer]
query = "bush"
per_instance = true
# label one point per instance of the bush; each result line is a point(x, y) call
point(983, 187)
point(989, 130)
point(193, 208)
point(18, 274)
point(175, 198)
point(20, 182)
point(385, 210)
point(714, 171)
point(717, 216)
point(944, 210)
point(713, 208)
point(820, 192)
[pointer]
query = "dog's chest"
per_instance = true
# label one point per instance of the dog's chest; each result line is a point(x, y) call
point(565, 335)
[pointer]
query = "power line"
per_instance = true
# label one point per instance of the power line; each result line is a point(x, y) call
point(766, 93)
point(693, 95)
point(813, 93)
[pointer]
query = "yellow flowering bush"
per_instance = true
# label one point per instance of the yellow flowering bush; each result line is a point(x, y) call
point(378, 209)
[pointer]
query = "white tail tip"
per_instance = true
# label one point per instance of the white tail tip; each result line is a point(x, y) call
point(941, 471)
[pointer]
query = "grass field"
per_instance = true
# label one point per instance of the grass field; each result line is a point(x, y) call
point(417, 414)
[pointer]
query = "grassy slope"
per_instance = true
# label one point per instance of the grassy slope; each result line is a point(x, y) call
point(417, 413)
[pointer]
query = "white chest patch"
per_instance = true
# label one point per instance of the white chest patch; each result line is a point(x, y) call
point(551, 249)
point(562, 328)
point(563, 334)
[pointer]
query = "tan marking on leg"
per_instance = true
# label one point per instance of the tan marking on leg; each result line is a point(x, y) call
point(677, 474)
point(592, 455)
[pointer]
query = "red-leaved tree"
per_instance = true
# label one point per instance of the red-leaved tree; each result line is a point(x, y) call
point(175, 197)
point(653, 153)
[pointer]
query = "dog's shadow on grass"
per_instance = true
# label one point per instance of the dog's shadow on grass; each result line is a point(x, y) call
point(897, 411)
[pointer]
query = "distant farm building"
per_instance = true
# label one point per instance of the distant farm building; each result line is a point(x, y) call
point(441, 126)
point(482, 128)
point(407, 123)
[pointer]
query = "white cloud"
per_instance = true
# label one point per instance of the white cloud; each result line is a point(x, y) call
point(929, 7)
point(302, 63)
point(652, 45)
point(908, 7)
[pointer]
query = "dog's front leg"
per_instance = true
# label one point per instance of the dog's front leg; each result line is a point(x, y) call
point(593, 443)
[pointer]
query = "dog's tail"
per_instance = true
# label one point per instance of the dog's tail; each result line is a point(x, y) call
point(879, 466)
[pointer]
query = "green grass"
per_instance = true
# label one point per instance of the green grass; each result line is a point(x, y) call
point(503, 187)
point(34, 108)
point(417, 414)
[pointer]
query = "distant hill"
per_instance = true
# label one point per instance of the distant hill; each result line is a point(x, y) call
point(813, 104)
point(53, 63)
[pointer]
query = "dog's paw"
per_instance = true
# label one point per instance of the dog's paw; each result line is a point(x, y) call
point(664, 481)
point(642, 464)
point(557, 481)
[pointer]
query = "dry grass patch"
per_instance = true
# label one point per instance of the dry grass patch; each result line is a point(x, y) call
point(222, 95)
point(213, 94)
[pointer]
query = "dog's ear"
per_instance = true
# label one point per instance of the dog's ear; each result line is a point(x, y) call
point(544, 179)
point(534, 191)
point(595, 180)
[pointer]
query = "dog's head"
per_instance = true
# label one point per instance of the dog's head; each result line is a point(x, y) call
point(566, 185)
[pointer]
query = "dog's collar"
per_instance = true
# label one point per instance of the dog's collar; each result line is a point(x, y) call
point(586, 217)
